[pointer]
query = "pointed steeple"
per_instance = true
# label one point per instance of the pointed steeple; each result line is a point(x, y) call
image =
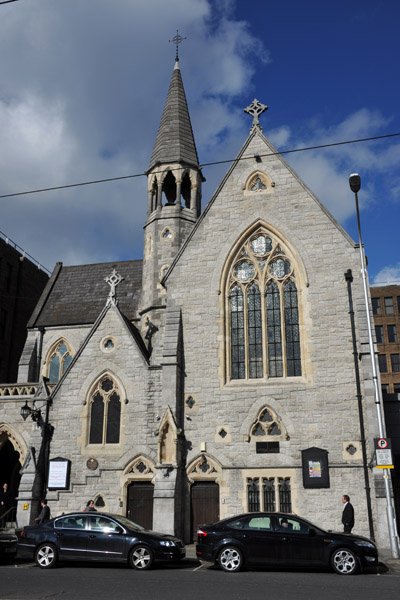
point(175, 140)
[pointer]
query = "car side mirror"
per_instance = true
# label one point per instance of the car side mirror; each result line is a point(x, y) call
point(119, 530)
point(312, 532)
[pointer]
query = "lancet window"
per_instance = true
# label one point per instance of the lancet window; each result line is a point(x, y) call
point(105, 412)
point(59, 359)
point(262, 304)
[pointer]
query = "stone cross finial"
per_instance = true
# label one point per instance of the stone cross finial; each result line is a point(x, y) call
point(113, 280)
point(255, 109)
point(177, 39)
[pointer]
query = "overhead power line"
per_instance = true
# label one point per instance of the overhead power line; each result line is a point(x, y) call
point(218, 162)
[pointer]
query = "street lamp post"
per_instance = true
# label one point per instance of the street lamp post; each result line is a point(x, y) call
point(355, 185)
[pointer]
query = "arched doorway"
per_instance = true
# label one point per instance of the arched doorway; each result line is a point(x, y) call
point(140, 503)
point(10, 467)
point(205, 504)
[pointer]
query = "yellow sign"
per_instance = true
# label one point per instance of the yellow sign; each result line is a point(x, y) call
point(26, 506)
point(385, 466)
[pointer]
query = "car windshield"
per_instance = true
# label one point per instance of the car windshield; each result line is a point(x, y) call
point(128, 523)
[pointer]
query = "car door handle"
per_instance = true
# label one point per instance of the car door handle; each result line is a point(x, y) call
point(284, 539)
point(59, 534)
point(92, 535)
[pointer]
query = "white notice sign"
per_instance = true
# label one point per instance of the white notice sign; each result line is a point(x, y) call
point(58, 474)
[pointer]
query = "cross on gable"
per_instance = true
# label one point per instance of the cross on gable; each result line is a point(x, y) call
point(255, 109)
point(113, 280)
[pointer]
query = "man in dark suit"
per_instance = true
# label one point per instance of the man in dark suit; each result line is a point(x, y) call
point(348, 514)
point(44, 514)
point(5, 502)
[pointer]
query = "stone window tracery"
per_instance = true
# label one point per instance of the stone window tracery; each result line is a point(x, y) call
point(266, 425)
point(263, 311)
point(105, 412)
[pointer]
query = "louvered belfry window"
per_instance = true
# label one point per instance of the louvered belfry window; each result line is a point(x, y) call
point(264, 330)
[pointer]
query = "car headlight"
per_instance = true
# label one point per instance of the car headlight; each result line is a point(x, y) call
point(168, 543)
point(365, 544)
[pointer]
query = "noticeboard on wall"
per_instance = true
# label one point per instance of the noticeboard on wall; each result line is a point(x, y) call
point(59, 474)
point(315, 468)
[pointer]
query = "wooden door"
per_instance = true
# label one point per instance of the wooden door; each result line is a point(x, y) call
point(205, 504)
point(140, 503)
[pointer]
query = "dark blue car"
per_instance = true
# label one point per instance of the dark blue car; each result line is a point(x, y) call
point(97, 537)
point(282, 540)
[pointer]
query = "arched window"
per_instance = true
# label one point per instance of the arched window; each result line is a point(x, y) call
point(59, 359)
point(105, 413)
point(264, 332)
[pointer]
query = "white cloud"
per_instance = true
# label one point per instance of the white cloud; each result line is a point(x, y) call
point(389, 275)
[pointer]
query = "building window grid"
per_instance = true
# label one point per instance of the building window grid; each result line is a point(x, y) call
point(382, 363)
point(389, 306)
point(379, 334)
point(59, 360)
point(279, 299)
point(392, 334)
point(376, 306)
point(395, 363)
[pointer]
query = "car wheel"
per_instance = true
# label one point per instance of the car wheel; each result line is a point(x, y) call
point(230, 559)
point(344, 562)
point(46, 556)
point(141, 558)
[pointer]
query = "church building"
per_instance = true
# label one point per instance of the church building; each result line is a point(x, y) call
point(213, 377)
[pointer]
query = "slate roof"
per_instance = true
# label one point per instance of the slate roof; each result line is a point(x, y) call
point(175, 140)
point(76, 295)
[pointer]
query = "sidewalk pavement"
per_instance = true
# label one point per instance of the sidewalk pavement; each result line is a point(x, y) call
point(393, 564)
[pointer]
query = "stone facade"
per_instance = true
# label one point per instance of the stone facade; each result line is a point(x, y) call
point(188, 429)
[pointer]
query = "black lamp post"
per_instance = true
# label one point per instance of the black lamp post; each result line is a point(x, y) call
point(355, 186)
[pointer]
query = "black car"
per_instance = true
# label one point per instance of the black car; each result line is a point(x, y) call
point(97, 537)
point(279, 539)
point(8, 544)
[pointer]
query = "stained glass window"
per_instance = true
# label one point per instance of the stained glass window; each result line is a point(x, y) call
point(292, 329)
point(237, 333)
point(264, 322)
point(254, 331)
point(274, 330)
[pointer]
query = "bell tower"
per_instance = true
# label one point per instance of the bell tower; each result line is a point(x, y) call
point(174, 192)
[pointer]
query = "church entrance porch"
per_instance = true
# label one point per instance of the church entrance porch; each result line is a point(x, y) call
point(140, 503)
point(204, 504)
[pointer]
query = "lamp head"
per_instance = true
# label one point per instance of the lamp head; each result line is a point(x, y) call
point(25, 411)
point(355, 182)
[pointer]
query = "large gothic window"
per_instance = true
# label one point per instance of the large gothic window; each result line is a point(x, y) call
point(105, 413)
point(59, 358)
point(263, 310)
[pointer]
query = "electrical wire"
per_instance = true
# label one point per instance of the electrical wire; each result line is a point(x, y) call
point(219, 162)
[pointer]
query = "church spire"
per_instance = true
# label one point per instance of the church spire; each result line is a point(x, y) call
point(175, 141)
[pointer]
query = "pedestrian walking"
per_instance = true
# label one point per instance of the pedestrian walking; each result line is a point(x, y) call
point(44, 514)
point(90, 506)
point(348, 514)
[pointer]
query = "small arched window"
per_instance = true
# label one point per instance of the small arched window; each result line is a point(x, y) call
point(263, 312)
point(105, 413)
point(59, 359)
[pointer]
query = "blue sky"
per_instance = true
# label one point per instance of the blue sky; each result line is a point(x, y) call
point(83, 84)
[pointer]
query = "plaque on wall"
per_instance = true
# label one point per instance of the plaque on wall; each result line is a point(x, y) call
point(315, 468)
point(92, 464)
